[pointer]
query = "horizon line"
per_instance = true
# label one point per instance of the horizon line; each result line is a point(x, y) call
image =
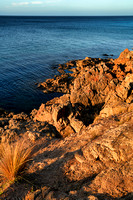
point(66, 15)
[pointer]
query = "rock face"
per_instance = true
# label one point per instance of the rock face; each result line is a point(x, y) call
point(113, 154)
point(97, 86)
point(100, 93)
point(93, 158)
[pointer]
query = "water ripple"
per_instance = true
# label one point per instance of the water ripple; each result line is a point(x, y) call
point(30, 46)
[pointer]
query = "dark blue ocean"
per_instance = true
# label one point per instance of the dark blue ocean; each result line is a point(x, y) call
point(31, 47)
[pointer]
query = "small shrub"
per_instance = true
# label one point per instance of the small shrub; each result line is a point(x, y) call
point(13, 159)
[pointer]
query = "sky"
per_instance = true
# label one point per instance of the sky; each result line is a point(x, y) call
point(66, 7)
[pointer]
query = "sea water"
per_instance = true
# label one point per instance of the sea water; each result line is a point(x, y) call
point(32, 47)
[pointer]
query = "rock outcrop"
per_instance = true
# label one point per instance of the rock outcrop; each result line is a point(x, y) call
point(84, 138)
point(98, 88)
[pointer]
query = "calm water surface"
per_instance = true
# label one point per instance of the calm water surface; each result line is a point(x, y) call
point(31, 46)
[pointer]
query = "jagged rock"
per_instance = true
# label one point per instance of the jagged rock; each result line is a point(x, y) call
point(59, 115)
point(97, 83)
point(115, 101)
point(43, 114)
point(52, 85)
point(113, 105)
point(93, 159)
point(76, 124)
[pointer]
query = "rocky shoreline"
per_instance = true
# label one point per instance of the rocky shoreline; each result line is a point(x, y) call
point(84, 138)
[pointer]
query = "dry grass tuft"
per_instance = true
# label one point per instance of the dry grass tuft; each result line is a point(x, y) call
point(13, 159)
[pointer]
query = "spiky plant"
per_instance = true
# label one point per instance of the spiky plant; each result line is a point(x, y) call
point(13, 159)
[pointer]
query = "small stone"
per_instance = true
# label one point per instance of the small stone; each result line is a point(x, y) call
point(91, 197)
point(73, 192)
point(32, 136)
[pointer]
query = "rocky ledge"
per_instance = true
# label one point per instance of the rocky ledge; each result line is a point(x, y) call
point(84, 138)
